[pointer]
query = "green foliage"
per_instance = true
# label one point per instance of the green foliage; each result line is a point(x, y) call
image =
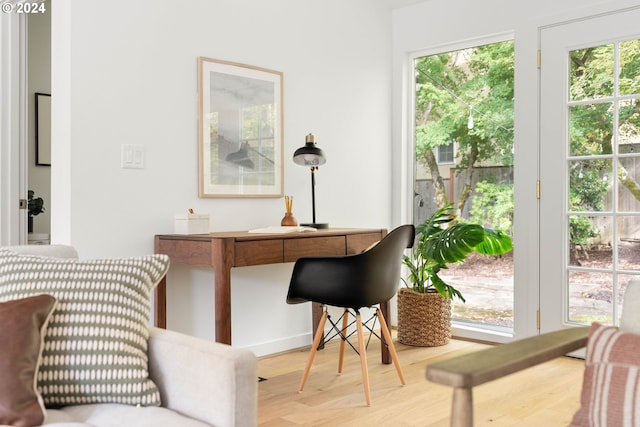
point(447, 84)
point(493, 206)
point(588, 185)
point(591, 128)
point(581, 230)
point(483, 76)
point(591, 72)
point(442, 239)
point(630, 67)
point(591, 124)
point(580, 227)
point(35, 204)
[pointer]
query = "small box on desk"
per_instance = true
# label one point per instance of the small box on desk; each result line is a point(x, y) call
point(191, 223)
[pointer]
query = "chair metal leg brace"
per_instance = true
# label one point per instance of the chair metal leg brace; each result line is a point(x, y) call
point(342, 332)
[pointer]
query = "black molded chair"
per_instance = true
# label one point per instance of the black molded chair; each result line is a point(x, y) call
point(352, 282)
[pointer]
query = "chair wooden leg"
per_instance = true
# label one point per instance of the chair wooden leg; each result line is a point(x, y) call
point(392, 349)
point(363, 360)
point(314, 349)
point(343, 343)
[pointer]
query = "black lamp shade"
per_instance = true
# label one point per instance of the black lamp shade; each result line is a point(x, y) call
point(310, 154)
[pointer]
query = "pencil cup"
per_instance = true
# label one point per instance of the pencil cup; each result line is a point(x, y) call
point(289, 220)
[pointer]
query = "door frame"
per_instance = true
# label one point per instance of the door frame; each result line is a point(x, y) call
point(13, 128)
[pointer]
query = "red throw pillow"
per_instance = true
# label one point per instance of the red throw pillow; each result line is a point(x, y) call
point(22, 334)
point(611, 384)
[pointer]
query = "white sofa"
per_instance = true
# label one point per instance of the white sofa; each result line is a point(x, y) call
point(201, 383)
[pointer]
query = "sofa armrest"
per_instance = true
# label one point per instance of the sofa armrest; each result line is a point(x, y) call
point(469, 370)
point(209, 381)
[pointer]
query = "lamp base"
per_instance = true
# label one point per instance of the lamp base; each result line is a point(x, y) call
point(316, 225)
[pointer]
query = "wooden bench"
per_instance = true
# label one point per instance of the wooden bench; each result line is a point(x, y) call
point(469, 370)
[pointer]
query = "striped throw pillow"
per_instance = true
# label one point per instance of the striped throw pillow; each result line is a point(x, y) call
point(95, 348)
point(611, 384)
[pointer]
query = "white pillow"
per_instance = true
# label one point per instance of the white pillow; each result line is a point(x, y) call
point(630, 321)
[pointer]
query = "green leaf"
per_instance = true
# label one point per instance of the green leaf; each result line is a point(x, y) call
point(454, 243)
point(495, 243)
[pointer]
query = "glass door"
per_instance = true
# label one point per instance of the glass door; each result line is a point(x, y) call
point(590, 168)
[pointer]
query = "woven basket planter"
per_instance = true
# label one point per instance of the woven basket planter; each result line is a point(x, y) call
point(423, 319)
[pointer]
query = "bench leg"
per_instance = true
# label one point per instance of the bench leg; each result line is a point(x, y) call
point(462, 408)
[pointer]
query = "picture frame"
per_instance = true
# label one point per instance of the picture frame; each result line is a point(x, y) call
point(43, 129)
point(240, 137)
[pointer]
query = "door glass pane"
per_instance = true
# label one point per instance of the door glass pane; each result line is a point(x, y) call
point(464, 156)
point(629, 246)
point(629, 184)
point(590, 185)
point(628, 132)
point(590, 129)
point(589, 241)
point(630, 67)
point(590, 297)
point(604, 180)
point(623, 281)
point(591, 72)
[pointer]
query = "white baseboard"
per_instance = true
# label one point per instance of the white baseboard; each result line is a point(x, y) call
point(280, 345)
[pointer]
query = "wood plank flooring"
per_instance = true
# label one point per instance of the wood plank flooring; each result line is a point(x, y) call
point(543, 396)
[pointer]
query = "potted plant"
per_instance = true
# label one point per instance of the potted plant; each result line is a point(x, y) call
point(36, 207)
point(424, 305)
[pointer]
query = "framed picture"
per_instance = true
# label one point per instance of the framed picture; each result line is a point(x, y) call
point(240, 130)
point(43, 129)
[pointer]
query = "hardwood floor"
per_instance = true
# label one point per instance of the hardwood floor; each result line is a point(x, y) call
point(543, 396)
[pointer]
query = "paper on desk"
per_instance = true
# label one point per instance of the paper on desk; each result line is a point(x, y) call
point(276, 229)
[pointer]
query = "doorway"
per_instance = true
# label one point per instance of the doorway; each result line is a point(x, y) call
point(590, 168)
point(38, 98)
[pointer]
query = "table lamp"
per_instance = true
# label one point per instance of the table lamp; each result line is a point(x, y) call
point(312, 156)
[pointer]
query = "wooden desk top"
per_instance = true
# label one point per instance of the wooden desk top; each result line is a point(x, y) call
point(245, 235)
point(241, 248)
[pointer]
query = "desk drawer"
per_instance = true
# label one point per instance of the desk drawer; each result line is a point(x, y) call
point(192, 253)
point(314, 246)
point(258, 252)
point(357, 243)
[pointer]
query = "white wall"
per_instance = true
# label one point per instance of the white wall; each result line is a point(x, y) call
point(125, 73)
point(437, 24)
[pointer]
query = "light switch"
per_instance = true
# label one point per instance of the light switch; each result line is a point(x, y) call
point(132, 156)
